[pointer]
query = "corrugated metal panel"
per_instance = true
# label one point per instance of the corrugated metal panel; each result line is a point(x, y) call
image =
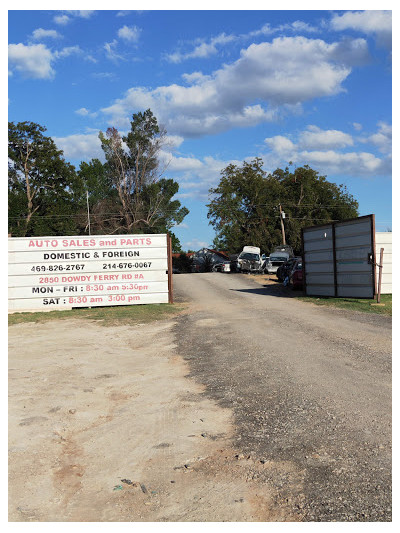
point(336, 259)
point(320, 290)
point(353, 246)
point(352, 291)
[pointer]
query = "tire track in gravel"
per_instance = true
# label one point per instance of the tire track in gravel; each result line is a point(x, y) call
point(314, 404)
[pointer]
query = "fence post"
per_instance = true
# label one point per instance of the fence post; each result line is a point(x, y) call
point(378, 297)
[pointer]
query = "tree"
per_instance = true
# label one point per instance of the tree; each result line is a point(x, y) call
point(244, 209)
point(42, 186)
point(133, 168)
point(139, 198)
point(98, 191)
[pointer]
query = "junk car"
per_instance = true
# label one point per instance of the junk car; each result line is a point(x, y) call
point(206, 260)
point(249, 260)
point(297, 275)
point(285, 269)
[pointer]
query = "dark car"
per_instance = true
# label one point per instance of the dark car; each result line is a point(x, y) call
point(206, 260)
point(286, 268)
point(297, 275)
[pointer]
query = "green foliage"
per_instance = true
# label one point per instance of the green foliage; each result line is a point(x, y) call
point(140, 200)
point(106, 316)
point(244, 209)
point(354, 304)
point(42, 186)
point(183, 263)
point(126, 194)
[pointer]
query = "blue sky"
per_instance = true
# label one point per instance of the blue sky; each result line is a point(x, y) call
point(312, 87)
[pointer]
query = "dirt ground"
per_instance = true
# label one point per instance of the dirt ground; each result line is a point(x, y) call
point(103, 427)
point(250, 406)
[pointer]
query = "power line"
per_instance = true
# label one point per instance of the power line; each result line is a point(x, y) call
point(103, 215)
point(316, 206)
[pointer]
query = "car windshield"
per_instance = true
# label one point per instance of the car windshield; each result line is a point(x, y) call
point(249, 256)
point(277, 258)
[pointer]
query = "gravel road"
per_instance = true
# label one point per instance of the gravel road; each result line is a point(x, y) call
point(309, 388)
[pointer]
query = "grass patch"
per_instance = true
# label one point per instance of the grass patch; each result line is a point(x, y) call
point(107, 316)
point(353, 304)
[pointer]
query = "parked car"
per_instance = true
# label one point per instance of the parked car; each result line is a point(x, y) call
point(284, 248)
point(222, 267)
point(285, 269)
point(206, 260)
point(276, 259)
point(297, 274)
point(249, 260)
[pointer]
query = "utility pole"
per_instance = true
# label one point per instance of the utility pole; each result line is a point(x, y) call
point(88, 212)
point(282, 214)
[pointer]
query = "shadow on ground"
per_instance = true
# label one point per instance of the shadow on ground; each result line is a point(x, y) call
point(273, 288)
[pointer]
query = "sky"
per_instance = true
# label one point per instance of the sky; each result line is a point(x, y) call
point(306, 86)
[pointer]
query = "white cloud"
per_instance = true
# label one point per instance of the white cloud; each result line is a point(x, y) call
point(80, 146)
point(32, 61)
point(280, 144)
point(40, 33)
point(323, 150)
point(314, 139)
point(62, 20)
point(90, 58)
point(195, 244)
point(173, 141)
point(37, 61)
point(129, 33)
point(297, 26)
point(353, 163)
point(68, 51)
point(182, 164)
point(197, 176)
point(285, 72)
point(195, 77)
point(83, 112)
point(203, 49)
point(182, 225)
point(111, 53)
point(357, 126)
point(373, 22)
point(104, 75)
point(82, 13)
point(382, 139)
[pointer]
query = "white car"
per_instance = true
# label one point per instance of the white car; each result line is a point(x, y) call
point(275, 260)
point(249, 259)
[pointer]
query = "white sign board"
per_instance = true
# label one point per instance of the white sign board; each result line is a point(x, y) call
point(63, 272)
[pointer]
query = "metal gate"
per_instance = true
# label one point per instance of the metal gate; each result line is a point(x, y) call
point(339, 257)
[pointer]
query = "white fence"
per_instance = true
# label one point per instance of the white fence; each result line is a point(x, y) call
point(384, 240)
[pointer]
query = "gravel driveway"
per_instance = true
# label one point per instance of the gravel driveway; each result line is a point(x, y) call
point(309, 387)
